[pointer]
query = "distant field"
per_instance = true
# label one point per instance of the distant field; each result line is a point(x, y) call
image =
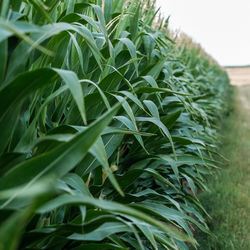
point(239, 75)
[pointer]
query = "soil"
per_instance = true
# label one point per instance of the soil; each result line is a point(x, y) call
point(239, 76)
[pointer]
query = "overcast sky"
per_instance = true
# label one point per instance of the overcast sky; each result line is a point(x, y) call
point(222, 27)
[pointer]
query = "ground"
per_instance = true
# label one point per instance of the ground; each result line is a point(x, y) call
point(229, 200)
point(239, 76)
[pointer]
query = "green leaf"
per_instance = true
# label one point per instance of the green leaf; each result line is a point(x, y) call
point(130, 125)
point(153, 90)
point(98, 151)
point(104, 246)
point(13, 95)
point(58, 161)
point(12, 228)
point(101, 232)
point(112, 207)
point(152, 108)
point(160, 125)
point(132, 50)
point(74, 85)
point(77, 183)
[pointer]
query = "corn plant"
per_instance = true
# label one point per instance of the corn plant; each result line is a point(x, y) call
point(108, 127)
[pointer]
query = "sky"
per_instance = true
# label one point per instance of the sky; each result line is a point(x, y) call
point(222, 27)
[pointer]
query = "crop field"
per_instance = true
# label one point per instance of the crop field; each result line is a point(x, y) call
point(108, 126)
point(239, 76)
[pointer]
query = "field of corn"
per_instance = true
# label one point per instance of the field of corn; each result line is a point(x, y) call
point(108, 127)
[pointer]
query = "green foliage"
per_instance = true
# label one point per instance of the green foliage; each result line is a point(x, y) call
point(105, 125)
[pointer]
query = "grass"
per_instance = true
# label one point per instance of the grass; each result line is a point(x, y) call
point(229, 200)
